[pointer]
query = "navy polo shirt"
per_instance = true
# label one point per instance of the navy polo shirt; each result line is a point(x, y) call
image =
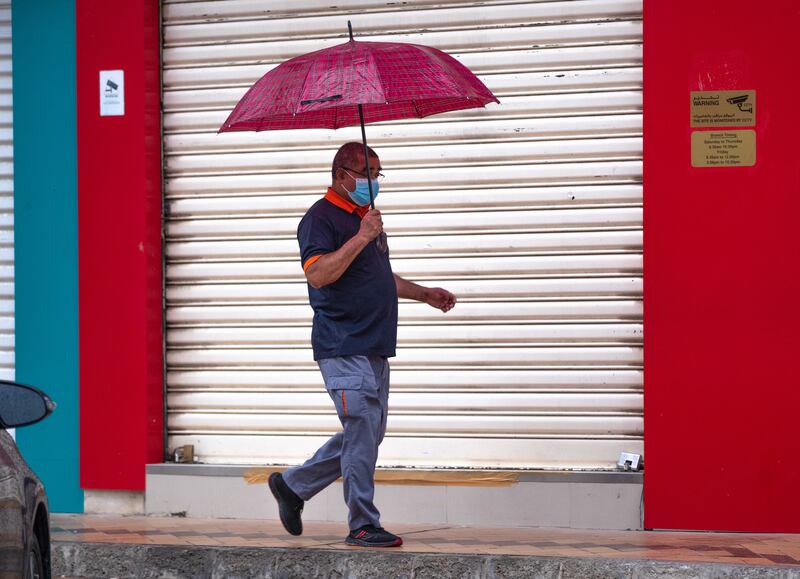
point(357, 314)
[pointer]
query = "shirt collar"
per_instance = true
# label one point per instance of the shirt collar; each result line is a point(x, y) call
point(345, 204)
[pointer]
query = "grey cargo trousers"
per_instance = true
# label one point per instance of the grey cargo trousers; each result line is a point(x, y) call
point(359, 388)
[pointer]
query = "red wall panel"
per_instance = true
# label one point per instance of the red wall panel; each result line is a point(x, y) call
point(119, 222)
point(721, 275)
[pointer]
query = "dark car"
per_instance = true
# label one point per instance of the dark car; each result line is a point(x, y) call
point(24, 512)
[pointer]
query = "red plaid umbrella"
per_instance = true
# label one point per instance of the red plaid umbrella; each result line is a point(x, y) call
point(357, 82)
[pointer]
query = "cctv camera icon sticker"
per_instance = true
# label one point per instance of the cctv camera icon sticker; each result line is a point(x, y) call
point(741, 103)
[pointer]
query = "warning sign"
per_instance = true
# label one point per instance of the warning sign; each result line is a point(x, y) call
point(723, 148)
point(723, 108)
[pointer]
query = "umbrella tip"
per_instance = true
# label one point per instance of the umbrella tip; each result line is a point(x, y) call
point(350, 29)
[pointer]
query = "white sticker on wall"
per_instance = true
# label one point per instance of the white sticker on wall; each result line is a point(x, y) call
point(112, 93)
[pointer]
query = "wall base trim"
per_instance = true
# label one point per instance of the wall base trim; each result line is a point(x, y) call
point(581, 500)
point(113, 502)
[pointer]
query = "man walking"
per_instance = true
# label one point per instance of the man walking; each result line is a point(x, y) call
point(354, 295)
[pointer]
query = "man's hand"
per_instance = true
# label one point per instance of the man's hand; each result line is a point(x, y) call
point(433, 296)
point(371, 225)
point(440, 298)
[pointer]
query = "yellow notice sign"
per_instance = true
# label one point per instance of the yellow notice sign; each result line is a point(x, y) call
point(723, 108)
point(723, 148)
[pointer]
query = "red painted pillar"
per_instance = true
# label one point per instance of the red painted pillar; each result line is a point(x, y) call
point(119, 223)
point(721, 279)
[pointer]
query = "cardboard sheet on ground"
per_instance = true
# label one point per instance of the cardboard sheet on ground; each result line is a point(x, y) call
point(415, 477)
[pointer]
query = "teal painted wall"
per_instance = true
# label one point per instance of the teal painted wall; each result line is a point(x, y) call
point(46, 237)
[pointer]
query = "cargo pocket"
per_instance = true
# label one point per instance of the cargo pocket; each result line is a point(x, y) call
point(346, 395)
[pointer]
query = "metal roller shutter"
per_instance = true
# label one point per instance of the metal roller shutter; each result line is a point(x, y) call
point(6, 199)
point(531, 212)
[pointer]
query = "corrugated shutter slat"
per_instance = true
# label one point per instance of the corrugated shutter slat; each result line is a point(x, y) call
point(7, 357)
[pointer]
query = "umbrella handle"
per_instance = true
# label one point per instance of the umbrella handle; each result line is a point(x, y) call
point(381, 242)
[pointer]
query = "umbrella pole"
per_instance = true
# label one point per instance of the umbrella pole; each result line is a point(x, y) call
point(364, 139)
point(366, 157)
point(380, 241)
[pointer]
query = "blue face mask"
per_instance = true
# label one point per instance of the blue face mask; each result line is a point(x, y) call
point(361, 194)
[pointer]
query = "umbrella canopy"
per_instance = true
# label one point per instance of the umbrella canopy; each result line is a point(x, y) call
point(390, 80)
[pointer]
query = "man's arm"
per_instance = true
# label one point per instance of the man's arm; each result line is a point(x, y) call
point(330, 267)
point(433, 296)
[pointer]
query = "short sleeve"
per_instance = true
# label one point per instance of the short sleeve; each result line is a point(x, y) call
point(315, 236)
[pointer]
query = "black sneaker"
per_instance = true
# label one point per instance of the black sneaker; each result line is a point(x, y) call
point(370, 536)
point(290, 506)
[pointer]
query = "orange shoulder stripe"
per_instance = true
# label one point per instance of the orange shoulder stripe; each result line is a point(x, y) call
point(311, 260)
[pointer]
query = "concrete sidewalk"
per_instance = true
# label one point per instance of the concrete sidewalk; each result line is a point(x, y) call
point(122, 546)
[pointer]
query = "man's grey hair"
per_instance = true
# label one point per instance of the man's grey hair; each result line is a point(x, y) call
point(349, 155)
